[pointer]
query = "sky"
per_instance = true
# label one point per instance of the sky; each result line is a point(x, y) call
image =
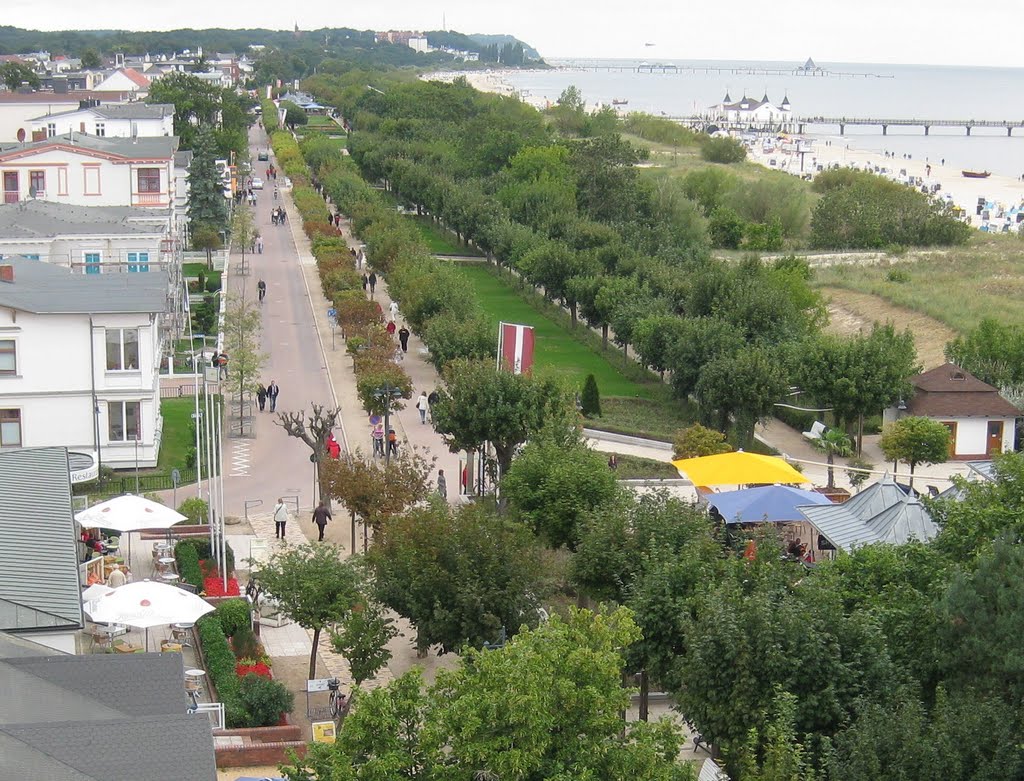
point(880, 31)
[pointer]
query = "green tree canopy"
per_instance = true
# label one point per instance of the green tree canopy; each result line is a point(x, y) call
point(915, 440)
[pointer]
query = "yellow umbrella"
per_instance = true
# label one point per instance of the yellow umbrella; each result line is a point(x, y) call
point(738, 468)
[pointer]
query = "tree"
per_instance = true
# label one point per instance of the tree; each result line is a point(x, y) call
point(458, 575)
point(915, 440)
point(697, 440)
point(294, 115)
point(375, 491)
point(746, 384)
point(314, 587)
point(481, 405)
point(14, 74)
point(450, 336)
point(362, 637)
point(723, 150)
point(91, 59)
point(590, 399)
point(554, 482)
point(196, 102)
point(313, 430)
point(833, 442)
point(243, 231)
point(207, 206)
point(242, 337)
point(206, 237)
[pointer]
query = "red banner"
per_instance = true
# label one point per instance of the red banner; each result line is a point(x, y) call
point(515, 348)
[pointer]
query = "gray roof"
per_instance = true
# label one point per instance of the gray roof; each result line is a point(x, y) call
point(147, 147)
point(132, 110)
point(155, 748)
point(39, 581)
point(183, 158)
point(44, 288)
point(37, 219)
point(99, 717)
point(882, 512)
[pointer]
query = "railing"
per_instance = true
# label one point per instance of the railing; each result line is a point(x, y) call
point(215, 711)
point(150, 199)
point(126, 484)
point(178, 392)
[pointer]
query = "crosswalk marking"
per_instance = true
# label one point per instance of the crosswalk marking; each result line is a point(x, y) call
point(240, 459)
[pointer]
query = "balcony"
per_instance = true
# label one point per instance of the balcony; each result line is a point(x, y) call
point(151, 199)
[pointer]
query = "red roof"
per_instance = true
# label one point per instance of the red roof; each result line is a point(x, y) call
point(136, 77)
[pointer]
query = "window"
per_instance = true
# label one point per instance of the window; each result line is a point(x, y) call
point(10, 428)
point(122, 349)
point(149, 180)
point(36, 183)
point(8, 356)
point(123, 420)
point(101, 129)
point(92, 262)
point(62, 181)
point(138, 261)
point(92, 180)
point(51, 129)
point(12, 189)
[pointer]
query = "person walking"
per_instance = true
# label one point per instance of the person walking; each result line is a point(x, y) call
point(261, 287)
point(394, 310)
point(222, 362)
point(442, 485)
point(321, 515)
point(261, 396)
point(403, 338)
point(373, 282)
point(422, 405)
point(432, 399)
point(377, 435)
point(280, 518)
point(272, 391)
point(392, 443)
point(259, 244)
point(366, 282)
point(390, 327)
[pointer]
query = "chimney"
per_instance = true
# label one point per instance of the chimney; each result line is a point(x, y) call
point(7, 274)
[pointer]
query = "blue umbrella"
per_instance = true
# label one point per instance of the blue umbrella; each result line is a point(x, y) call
point(771, 503)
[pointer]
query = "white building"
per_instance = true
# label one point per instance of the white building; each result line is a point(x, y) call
point(89, 170)
point(117, 120)
point(748, 111)
point(79, 361)
point(125, 80)
point(18, 109)
point(418, 43)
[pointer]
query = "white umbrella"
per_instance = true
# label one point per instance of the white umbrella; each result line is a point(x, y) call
point(95, 591)
point(146, 603)
point(129, 513)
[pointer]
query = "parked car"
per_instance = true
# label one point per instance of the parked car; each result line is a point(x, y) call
point(263, 154)
point(257, 183)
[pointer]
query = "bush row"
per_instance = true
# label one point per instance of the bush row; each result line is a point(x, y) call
point(270, 121)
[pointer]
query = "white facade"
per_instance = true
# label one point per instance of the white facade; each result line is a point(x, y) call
point(125, 80)
point(60, 361)
point(97, 253)
point(17, 112)
point(980, 436)
point(93, 122)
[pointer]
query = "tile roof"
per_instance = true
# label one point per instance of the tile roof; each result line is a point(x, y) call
point(39, 583)
point(44, 288)
point(37, 218)
point(135, 109)
point(948, 391)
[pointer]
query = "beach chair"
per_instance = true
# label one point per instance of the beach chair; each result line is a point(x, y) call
point(817, 429)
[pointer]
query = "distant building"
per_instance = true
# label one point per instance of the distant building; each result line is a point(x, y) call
point(119, 120)
point(125, 80)
point(400, 37)
point(419, 44)
point(749, 111)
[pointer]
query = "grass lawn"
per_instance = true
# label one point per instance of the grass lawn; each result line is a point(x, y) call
point(958, 287)
point(632, 467)
point(439, 240)
point(557, 352)
point(177, 435)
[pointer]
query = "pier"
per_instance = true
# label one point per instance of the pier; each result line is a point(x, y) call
point(735, 70)
point(800, 124)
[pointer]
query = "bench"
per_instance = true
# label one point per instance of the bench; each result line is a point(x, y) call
point(817, 429)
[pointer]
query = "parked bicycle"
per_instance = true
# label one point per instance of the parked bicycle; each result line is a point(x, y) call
point(338, 700)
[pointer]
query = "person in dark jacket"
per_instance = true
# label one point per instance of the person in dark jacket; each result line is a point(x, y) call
point(321, 515)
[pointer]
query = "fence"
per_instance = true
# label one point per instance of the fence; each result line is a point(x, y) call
point(177, 391)
point(125, 484)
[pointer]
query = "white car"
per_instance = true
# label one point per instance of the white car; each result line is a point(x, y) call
point(257, 183)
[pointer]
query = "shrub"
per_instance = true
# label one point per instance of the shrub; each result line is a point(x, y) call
point(244, 643)
point(898, 275)
point(723, 150)
point(205, 552)
point(213, 284)
point(264, 700)
point(726, 228)
point(697, 440)
point(194, 508)
point(590, 400)
point(188, 563)
point(234, 614)
point(764, 237)
point(220, 666)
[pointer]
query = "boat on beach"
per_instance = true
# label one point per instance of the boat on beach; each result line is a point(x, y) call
point(976, 174)
point(620, 102)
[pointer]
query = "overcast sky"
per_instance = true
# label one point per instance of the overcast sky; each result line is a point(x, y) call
point(888, 31)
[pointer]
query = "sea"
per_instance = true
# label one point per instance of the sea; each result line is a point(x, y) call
point(838, 90)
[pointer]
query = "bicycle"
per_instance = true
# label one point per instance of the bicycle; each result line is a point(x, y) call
point(338, 700)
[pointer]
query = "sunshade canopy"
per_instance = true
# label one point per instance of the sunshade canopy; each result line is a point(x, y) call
point(738, 468)
point(147, 603)
point(129, 513)
point(770, 503)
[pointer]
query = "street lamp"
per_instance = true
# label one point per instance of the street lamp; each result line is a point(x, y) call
point(386, 394)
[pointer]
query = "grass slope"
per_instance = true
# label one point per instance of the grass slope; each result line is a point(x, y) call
point(177, 434)
point(440, 241)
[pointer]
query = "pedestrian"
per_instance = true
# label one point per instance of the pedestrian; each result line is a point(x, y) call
point(280, 518)
point(333, 448)
point(282, 215)
point(261, 396)
point(390, 327)
point(116, 578)
point(432, 399)
point(361, 257)
point(222, 362)
point(273, 216)
point(259, 244)
point(272, 391)
point(337, 221)
point(261, 288)
point(377, 435)
point(613, 462)
point(392, 443)
point(403, 338)
point(394, 310)
point(442, 485)
point(373, 282)
point(422, 405)
point(366, 282)
point(321, 515)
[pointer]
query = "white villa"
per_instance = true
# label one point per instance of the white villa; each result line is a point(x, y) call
point(79, 361)
point(749, 111)
point(115, 120)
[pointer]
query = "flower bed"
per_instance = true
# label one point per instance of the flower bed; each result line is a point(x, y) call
point(213, 586)
point(260, 668)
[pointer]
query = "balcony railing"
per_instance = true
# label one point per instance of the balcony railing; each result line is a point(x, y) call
point(150, 199)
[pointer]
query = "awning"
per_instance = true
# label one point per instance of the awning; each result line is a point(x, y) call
point(771, 503)
point(83, 466)
point(738, 468)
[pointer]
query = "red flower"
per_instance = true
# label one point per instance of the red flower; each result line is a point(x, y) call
point(214, 587)
point(260, 668)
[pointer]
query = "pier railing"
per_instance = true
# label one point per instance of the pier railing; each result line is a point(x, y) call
point(800, 124)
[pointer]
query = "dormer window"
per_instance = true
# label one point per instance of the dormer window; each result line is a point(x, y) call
point(957, 376)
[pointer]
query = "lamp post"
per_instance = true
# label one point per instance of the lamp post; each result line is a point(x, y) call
point(386, 394)
point(137, 463)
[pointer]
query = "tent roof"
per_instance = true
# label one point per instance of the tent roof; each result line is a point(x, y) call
point(772, 503)
point(738, 468)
